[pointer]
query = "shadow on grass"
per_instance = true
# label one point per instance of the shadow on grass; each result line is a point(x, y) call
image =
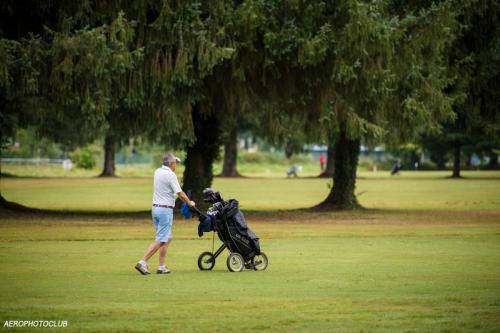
point(9, 175)
point(16, 212)
point(380, 177)
point(12, 209)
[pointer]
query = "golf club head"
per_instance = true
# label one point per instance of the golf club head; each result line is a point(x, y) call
point(218, 197)
point(208, 195)
point(212, 197)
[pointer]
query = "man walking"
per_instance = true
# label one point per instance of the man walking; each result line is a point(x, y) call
point(166, 186)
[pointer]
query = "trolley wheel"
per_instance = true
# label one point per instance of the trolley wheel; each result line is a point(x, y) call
point(235, 262)
point(260, 262)
point(206, 261)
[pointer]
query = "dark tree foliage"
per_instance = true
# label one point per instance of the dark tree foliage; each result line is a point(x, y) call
point(474, 59)
point(85, 70)
point(351, 71)
point(474, 62)
point(182, 71)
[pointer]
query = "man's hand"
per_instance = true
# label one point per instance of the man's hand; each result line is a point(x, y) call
point(186, 199)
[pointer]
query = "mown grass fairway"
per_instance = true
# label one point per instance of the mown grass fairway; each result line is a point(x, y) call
point(370, 272)
point(429, 262)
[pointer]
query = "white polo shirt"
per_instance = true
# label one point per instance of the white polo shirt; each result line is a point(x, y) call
point(166, 186)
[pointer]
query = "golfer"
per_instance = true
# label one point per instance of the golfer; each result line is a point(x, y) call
point(166, 186)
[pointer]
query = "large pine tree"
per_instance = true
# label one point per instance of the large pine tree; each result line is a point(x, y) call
point(351, 71)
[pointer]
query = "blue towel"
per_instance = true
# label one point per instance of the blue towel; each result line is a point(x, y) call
point(185, 211)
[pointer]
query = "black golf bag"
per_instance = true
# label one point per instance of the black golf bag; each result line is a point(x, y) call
point(226, 219)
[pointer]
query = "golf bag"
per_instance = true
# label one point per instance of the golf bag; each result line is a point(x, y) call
point(226, 219)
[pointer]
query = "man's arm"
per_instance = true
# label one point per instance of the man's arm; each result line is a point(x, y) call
point(176, 188)
point(185, 198)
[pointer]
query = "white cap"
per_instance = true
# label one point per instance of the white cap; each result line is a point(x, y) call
point(170, 158)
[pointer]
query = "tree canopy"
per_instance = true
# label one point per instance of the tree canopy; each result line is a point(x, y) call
point(183, 72)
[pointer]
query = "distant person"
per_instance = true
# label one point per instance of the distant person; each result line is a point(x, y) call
point(165, 186)
point(292, 172)
point(396, 168)
point(322, 162)
point(67, 164)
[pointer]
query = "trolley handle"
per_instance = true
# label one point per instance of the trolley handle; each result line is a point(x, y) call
point(197, 211)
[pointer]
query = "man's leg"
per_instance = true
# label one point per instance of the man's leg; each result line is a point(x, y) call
point(155, 245)
point(163, 252)
point(164, 234)
point(142, 264)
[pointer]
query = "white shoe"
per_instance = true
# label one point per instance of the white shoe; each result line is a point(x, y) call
point(163, 270)
point(143, 269)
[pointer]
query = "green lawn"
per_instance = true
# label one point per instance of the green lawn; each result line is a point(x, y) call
point(411, 190)
point(426, 260)
point(369, 271)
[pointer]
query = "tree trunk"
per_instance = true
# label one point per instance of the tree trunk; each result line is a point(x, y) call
point(4, 203)
point(440, 163)
point(493, 163)
point(230, 156)
point(328, 173)
point(109, 157)
point(456, 160)
point(201, 154)
point(342, 195)
point(468, 161)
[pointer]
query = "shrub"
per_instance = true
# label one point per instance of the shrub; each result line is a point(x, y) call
point(84, 158)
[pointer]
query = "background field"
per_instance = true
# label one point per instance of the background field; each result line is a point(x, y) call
point(427, 259)
point(250, 164)
point(411, 190)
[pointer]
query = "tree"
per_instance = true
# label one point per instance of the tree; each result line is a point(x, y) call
point(241, 118)
point(253, 77)
point(182, 65)
point(474, 60)
point(99, 68)
point(355, 70)
point(230, 154)
point(201, 154)
point(87, 68)
point(437, 148)
point(387, 83)
point(118, 74)
point(352, 71)
point(18, 81)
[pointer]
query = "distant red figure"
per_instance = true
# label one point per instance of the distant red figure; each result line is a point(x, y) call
point(322, 162)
